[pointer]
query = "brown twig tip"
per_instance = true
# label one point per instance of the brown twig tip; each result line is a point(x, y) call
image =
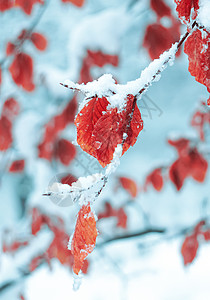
point(47, 194)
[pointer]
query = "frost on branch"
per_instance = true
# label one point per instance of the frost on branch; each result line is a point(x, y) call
point(84, 237)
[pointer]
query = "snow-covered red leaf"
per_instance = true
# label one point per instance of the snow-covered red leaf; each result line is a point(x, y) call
point(78, 3)
point(84, 237)
point(39, 41)
point(187, 9)
point(17, 166)
point(68, 179)
point(197, 47)
point(129, 185)
point(86, 121)
point(27, 5)
point(189, 248)
point(156, 179)
point(160, 7)
point(99, 130)
point(65, 151)
point(21, 71)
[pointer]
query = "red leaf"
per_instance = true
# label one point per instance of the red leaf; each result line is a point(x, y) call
point(193, 164)
point(182, 145)
point(156, 179)
point(78, 3)
point(39, 41)
point(129, 185)
point(95, 58)
point(189, 249)
point(109, 211)
point(54, 127)
point(206, 235)
point(10, 109)
point(17, 166)
point(159, 39)
point(187, 8)
point(27, 5)
point(21, 71)
point(36, 261)
point(5, 133)
point(68, 179)
point(99, 131)
point(197, 47)
point(198, 166)
point(160, 8)
point(178, 172)
point(65, 151)
point(84, 238)
point(37, 221)
point(10, 48)
point(5, 5)
point(122, 218)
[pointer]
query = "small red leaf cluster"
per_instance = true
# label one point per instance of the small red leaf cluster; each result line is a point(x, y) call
point(9, 112)
point(120, 214)
point(191, 243)
point(159, 38)
point(190, 163)
point(51, 146)
point(187, 9)
point(84, 237)
point(129, 185)
point(200, 119)
point(155, 178)
point(78, 3)
point(98, 59)
point(21, 68)
point(100, 130)
point(197, 47)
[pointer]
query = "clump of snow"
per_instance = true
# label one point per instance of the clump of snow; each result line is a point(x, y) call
point(204, 13)
point(117, 93)
point(87, 182)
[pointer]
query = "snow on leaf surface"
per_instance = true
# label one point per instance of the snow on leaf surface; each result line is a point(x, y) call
point(186, 9)
point(84, 237)
point(99, 130)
